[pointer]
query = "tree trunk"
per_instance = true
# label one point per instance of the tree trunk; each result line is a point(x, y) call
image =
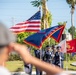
point(72, 21)
point(44, 10)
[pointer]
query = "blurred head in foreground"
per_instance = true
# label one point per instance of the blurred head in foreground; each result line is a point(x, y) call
point(6, 37)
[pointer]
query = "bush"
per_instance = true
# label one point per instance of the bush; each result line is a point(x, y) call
point(69, 57)
point(13, 57)
point(73, 58)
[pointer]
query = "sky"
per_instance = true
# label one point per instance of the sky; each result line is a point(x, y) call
point(16, 11)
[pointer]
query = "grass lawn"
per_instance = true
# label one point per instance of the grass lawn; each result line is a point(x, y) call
point(15, 66)
point(67, 64)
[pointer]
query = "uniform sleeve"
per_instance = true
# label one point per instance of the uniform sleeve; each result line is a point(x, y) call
point(62, 57)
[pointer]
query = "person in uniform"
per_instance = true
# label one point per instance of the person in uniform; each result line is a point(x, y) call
point(53, 49)
point(48, 57)
point(59, 57)
point(28, 67)
point(53, 53)
point(37, 54)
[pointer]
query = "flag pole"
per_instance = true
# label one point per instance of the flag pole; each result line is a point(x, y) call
point(66, 62)
point(40, 53)
point(66, 58)
point(13, 21)
point(40, 48)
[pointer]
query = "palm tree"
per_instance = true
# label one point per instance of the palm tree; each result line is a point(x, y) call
point(36, 3)
point(46, 16)
point(72, 4)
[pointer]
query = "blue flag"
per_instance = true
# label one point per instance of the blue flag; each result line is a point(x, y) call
point(38, 38)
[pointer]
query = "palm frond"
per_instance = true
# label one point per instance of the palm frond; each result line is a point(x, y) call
point(36, 3)
point(71, 2)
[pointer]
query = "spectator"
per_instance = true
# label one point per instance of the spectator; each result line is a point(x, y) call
point(6, 37)
point(7, 44)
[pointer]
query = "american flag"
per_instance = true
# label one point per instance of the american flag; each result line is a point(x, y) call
point(33, 24)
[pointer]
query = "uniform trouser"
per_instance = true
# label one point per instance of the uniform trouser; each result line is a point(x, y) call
point(49, 61)
point(61, 64)
point(38, 72)
point(31, 70)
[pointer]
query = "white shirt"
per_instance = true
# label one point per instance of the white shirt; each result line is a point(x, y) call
point(4, 71)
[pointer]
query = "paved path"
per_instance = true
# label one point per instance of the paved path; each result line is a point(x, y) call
point(23, 73)
point(34, 73)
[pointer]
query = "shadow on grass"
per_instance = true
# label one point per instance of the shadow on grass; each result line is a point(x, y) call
point(70, 69)
point(18, 70)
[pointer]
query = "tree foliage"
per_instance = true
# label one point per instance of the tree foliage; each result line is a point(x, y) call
point(14, 57)
point(71, 2)
point(74, 31)
point(63, 23)
point(22, 36)
point(75, 34)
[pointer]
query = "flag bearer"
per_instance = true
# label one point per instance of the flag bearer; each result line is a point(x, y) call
point(48, 57)
point(59, 57)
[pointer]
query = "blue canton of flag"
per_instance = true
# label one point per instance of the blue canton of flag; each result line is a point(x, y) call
point(36, 16)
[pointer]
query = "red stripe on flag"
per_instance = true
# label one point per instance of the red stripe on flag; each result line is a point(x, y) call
point(29, 22)
point(17, 32)
point(25, 27)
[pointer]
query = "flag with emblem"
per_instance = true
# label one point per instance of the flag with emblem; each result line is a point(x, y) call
point(33, 24)
point(71, 46)
point(38, 38)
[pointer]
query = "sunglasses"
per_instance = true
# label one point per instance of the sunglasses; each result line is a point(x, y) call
point(2, 46)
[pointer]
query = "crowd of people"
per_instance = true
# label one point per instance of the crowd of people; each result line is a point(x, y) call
point(8, 44)
point(51, 54)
